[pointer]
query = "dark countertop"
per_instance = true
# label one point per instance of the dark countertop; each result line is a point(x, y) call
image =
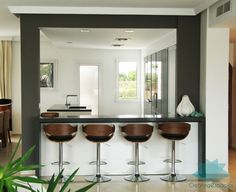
point(119, 119)
point(71, 108)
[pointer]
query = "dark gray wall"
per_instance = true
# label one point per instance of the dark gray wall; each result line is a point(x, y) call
point(188, 58)
point(30, 95)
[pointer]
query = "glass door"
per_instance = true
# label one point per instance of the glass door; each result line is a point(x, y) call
point(88, 94)
point(161, 78)
point(148, 85)
point(156, 83)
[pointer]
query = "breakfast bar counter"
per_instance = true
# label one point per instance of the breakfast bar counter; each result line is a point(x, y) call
point(79, 148)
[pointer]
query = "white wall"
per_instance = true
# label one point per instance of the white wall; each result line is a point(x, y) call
point(164, 42)
point(214, 90)
point(68, 76)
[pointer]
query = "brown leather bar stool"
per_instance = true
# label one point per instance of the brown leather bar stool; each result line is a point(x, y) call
point(98, 133)
point(137, 133)
point(60, 133)
point(173, 131)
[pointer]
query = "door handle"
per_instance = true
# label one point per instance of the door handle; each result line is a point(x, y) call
point(155, 96)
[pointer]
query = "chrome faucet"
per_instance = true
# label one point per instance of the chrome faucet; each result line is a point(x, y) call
point(67, 96)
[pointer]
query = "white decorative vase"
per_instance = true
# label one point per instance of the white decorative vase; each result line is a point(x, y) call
point(185, 107)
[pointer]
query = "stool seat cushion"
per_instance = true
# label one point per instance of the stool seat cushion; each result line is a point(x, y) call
point(60, 138)
point(98, 138)
point(98, 133)
point(137, 132)
point(136, 138)
point(173, 136)
point(174, 130)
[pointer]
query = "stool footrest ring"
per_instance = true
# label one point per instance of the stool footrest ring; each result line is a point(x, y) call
point(57, 163)
point(95, 163)
point(169, 161)
point(133, 163)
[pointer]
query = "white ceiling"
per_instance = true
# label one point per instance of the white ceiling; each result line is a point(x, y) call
point(9, 24)
point(103, 38)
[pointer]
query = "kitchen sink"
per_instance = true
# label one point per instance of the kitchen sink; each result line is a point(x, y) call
point(77, 107)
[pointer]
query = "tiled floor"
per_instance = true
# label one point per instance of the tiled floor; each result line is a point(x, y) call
point(155, 184)
point(5, 153)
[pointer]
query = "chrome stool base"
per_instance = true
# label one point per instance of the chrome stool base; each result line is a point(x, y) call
point(173, 178)
point(136, 178)
point(97, 179)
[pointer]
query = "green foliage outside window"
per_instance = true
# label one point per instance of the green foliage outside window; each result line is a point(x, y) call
point(46, 75)
point(128, 85)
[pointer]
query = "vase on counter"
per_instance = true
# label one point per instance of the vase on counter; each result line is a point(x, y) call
point(185, 107)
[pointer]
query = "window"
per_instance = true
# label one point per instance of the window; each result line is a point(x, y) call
point(127, 81)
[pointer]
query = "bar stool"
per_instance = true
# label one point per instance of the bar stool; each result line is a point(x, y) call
point(98, 133)
point(173, 131)
point(137, 133)
point(60, 133)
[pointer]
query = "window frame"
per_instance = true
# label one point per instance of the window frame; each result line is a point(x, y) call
point(117, 99)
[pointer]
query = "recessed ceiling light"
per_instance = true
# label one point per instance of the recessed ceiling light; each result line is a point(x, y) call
point(129, 31)
point(122, 39)
point(117, 45)
point(84, 31)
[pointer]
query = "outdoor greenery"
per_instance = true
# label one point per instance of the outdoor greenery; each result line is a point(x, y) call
point(11, 180)
point(46, 74)
point(45, 68)
point(128, 85)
